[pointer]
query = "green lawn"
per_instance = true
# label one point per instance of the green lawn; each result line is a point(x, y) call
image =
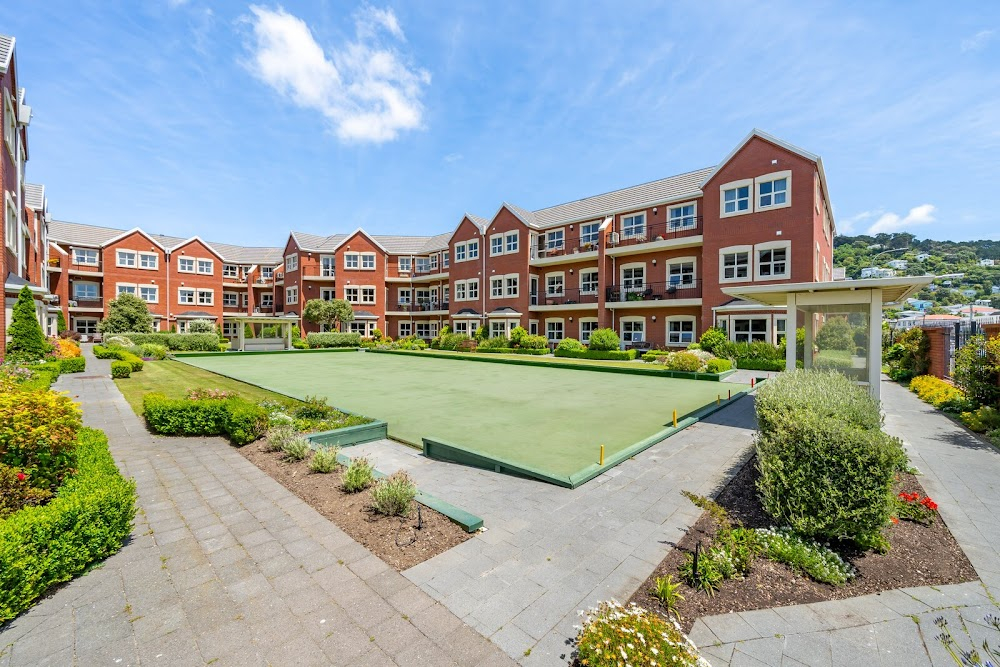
point(547, 418)
point(173, 379)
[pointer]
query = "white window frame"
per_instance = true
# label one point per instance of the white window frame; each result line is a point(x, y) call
point(10, 125)
point(460, 291)
point(750, 334)
point(327, 266)
point(460, 326)
point(496, 287)
point(772, 245)
point(404, 264)
point(186, 293)
point(632, 320)
point(404, 329)
point(689, 221)
point(368, 295)
point(292, 262)
point(146, 256)
point(267, 299)
point(291, 295)
point(181, 261)
point(123, 254)
point(496, 245)
point(209, 262)
point(226, 300)
point(555, 239)
point(734, 250)
point(632, 266)
point(97, 290)
point(445, 258)
point(404, 295)
point(584, 273)
point(267, 272)
point(230, 329)
point(735, 185)
point(434, 262)
point(206, 301)
point(771, 178)
point(352, 294)
point(585, 335)
point(561, 291)
point(473, 289)
point(87, 253)
point(126, 288)
point(631, 232)
point(367, 261)
point(562, 329)
point(352, 261)
point(511, 289)
point(473, 248)
point(588, 235)
point(231, 271)
point(681, 339)
point(85, 325)
point(510, 248)
point(461, 253)
point(693, 261)
point(11, 220)
point(155, 290)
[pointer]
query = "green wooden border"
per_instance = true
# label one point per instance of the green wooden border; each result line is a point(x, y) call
point(197, 353)
point(351, 435)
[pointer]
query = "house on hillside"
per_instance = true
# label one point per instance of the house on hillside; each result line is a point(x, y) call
point(898, 264)
point(923, 257)
point(987, 262)
point(877, 272)
point(920, 304)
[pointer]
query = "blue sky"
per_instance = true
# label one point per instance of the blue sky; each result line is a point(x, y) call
point(239, 121)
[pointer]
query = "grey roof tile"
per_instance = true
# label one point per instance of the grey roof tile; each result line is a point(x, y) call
point(6, 51)
point(34, 196)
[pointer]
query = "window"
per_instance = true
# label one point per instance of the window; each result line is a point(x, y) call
point(11, 220)
point(461, 327)
point(85, 326)
point(779, 329)
point(680, 331)
point(266, 300)
point(205, 267)
point(206, 297)
point(555, 240)
point(267, 272)
point(735, 265)
point(291, 262)
point(126, 289)
point(445, 292)
point(496, 245)
point(368, 261)
point(554, 330)
point(327, 266)
point(772, 190)
point(148, 260)
point(230, 329)
point(498, 328)
point(405, 266)
point(473, 247)
point(634, 225)
point(460, 291)
point(10, 125)
point(681, 274)
point(681, 217)
point(554, 284)
point(589, 234)
point(230, 271)
point(229, 300)
point(634, 277)
point(533, 327)
point(185, 264)
point(445, 257)
point(327, 293)
point(587, 327)
point(748, 329)
point(291, 295)
point(85, 291)
point(85, 256)
point(423, 264)
point(423, 330)
point(460, 253)
point(511, 241)
point(434, 262)
point(473, 289)
point(772, 263)
point(149, 294)
point(353, 261)
point(405, 295)
point(185, 295)
point(511, 284)
point(736, 197)
point(496, 287)
point(352, 294)
point(633, 331)
point(368, 295)
point(404, 329)
point(126, 258)
point(588, 281)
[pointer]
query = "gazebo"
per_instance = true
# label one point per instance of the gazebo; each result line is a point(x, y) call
point(855, 348)
point(282, 342)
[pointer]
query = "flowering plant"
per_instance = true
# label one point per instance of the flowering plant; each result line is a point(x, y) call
point(912, 507)
point(613, 635)
point(201, 394)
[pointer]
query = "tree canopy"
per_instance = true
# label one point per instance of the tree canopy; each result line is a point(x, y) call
point(127, 314)
point(27, 340)
point(332, 313)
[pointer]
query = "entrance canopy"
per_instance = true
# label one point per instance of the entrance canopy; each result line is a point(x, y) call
point(842, 321)
point(256, 344)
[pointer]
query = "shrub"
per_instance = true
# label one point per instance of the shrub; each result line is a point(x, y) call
point(121, 370)
point(324, 460)
point(977, 370)
point(240, 420)
point(153, 351)
point(824, 393)
point(570, 345)
point(118, 341)
point(38, 433)
point(684, 361)
point(279, 435)
point(314, 407)
point(495, 343)
point(806, 556)
point(935, 391)
point(982, 419)
point(909, 355)
point(603, 340)
point(718, 365)
point(88, 520)
point(517, 335)
point(481, 334)
point(135, 362)
point(393, 495)
point(609, 355)
point(836, 334)
point(532, 342)
point(61, 327)
point(746, 354)
point(296, 449)
point(65, 348)
point(245, 422)
point(27, 341)
point(613, 635)
point(17, 492)
point(450, 341)
point(201, 327)
point(712, 337)
point(297, 343)
point(53, 367)
point(186, 342)
point(359, 475)
point(333, 339)
point(72, 365)
point(126, 312)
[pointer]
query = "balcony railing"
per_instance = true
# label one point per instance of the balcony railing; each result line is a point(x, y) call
point(263, 309)
point(653, 291)
point(568, 246)
point(657, 231)
point(79, 302)
point(85, 266)
point(260, 280)
point(426, 270)
point(421, 306)
point(564, 297)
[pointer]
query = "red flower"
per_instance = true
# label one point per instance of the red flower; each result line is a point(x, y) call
point(894, 519)
point(21, 477)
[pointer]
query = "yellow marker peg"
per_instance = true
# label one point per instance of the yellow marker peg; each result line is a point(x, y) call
point(602, 454)
point(675, 419)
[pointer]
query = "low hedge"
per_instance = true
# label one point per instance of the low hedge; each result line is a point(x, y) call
point(333, 339)
point(604, 355)
point(73, 365)
point(121, 369)
point(53, 367)
point(42, 380)
point(761, 364)
point(88, 520)
point(238, 419)
point(509, 350)
point(177, 342)
point(135, 362)
point(718, 366)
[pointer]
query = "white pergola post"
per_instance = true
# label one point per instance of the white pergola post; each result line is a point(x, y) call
point(791, 326)
point(286, 330)
point(875, 344)
point(241, 340)
point(810, 340)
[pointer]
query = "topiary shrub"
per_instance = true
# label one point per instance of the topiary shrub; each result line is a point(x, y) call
point(245, 422)
point(571, 345)
point(126, 312)
point(333, 339)
point(533, 342)
point(687, 362)
point(188, 342)
point(27, 340)
point(72, 365)
point(238, 419)
point(718, 365)
point(38, 432)
point(603, 340)
point(121, 370)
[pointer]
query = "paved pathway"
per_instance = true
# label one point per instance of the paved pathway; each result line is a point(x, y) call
point(225, 567)
point(895, 627)
point(549, 551)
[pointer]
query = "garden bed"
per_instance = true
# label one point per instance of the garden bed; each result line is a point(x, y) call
point(919, 556)
point(394, 540)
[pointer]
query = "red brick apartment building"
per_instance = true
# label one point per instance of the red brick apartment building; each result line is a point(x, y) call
point(649, 261)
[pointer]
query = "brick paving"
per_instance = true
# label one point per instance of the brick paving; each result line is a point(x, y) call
point(225, 566)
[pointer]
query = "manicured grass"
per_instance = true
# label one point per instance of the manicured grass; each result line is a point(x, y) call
point(173, 379)
point(547, 418)
point(546, 359)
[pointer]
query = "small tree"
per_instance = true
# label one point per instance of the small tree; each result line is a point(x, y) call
point(27, 340)
point(200, 326)
point(60, 322)
point(836, 334)
point(332, 313)
point(127, 314)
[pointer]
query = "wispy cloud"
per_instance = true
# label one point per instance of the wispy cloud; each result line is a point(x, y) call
point(364, 87)
point(978, 41)
point(893, 222)
point(453, 157)
point(848, 225)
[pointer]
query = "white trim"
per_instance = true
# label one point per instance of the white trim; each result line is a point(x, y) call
point(294, 257)
point(291, 290)
point(632, 319)
point(119, 252)
point(204, 243)
point(363, 233)
point(516, 233)
point(553, 274)
point(97, 290)
point(748, 249)
point(633, 214)
point(562, 324)
point(156, 261)
point(580, 323)
point(693, 260)
point(747, 183)
point(194, 296)
point(767, 178)
point(135, 230)
point(672, 207)
point(772, 245)
point(156, 292)
point(96, 251)
point(682, 318)
point(194, 264)
point(591, 269)
point(496, 237)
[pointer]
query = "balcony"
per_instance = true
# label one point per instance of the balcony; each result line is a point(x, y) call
point(95, 303)
point(83, 268)
point(421, 306)
point(657, 231)
point(570, 246)
point(665, 291)
point(264, 310)
point(260, 281)
point(566, 297)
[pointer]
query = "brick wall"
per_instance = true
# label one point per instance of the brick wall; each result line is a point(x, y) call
point(940, 347)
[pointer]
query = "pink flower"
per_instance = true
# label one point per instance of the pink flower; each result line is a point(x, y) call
point(21, 477)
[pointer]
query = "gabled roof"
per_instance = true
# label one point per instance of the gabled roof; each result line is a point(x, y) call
point(191, 240)
point(524, 215)
point(6, 52)
point(348, 237)
point(392, 244)
point(34, 196)
point(314, 243)
point(134, 230)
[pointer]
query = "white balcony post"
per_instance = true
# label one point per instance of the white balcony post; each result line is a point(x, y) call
point(791, 326)
point(875, 344)
point(810, 340)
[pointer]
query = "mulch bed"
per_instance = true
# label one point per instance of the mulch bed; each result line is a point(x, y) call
point(919, 556)
point(396, 541)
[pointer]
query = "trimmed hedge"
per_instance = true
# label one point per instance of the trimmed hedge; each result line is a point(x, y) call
point(238, 419)
point(604, 355)
point(333, 339)
point(760, 364)
point(73, 365)
point(510, 350)
point(135, 362)
point(718, 365)
point(121, 369)
point(192, 342)
point(89, 519)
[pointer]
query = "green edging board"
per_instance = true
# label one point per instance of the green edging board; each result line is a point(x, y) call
point(528, 361)
point(351, 435)
point(193, 354)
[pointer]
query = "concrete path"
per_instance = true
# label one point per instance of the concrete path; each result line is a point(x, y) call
point(895, 627)
point(549, 551)
point(227, 567)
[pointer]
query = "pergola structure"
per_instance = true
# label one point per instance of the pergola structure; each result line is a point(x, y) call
point(812, 305)
point(282, 342)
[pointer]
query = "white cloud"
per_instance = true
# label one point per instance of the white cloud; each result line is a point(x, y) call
point(848, 225)
point(978, 41)
point(363, 87)
point(453, 157)
point(892, 222)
